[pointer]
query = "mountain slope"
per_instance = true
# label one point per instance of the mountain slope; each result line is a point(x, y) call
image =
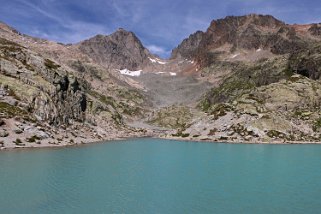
point(266, 78)
point(57, 95)
point(246, 79)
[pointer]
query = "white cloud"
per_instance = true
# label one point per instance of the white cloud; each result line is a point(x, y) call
point(157, 50)
point(74, 30)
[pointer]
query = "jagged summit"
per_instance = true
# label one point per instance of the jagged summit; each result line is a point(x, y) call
point(121, 49)
point(188, 47)
point(250, 32)
point(247, 32)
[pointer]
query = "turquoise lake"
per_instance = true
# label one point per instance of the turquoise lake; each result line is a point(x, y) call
point(161, 176)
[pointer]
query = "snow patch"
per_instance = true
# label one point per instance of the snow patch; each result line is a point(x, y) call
point(161, 62)
point(235, 55)
point(157, 61)
point(131, 73)
point(170, 73)
point(152, 60)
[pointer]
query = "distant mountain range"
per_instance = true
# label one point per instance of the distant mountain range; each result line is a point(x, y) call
point(247, 78)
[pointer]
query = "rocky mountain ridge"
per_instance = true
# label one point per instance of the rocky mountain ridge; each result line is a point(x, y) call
point(246, 79)
point(250, 32)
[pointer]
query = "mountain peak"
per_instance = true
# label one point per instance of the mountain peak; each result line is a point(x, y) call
point(121, 49)
point(237, 33)
point(237, 22)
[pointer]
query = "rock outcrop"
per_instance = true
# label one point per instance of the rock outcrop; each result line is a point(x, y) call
point(315, 29)
point(54, 95)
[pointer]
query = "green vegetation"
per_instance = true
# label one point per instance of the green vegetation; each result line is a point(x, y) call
point(131, 110)
point(117, 118)
point(317, 124)
point(276, 134)
point(8, 111)
point(220, 110)
point(17, 141)
point(7, 42)
point(108, 100)
point(172, 117)
point(212, 132)
point(180, 134)
point(131, 95)
point(256, 98)
point(246, 77)
point(51, 65)
point(33, 139)
point(295, 78)
point(13, 94)
point(9, 47)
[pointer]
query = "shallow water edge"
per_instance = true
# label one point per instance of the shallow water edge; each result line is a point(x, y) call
point(274, 142)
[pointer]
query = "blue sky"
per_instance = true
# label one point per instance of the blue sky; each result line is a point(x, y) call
point(161, 25)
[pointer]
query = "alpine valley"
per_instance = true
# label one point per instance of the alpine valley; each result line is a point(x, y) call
point(247, 79)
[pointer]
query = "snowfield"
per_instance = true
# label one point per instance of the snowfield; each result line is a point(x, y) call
point(157, 61)
point(131, 73)
point(234, 56)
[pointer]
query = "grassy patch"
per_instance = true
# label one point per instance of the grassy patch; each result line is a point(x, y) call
point(317, 124)
point(8, 111)
point(180, 134)
point(9, 46)
point(220, 110)
point(51, 65)
point(246, 77)
point(17, 141)
point(175, 117)
point(212, 132)
point(108, 100)
point(275, 134)
point(131, 95)
point(33, 139)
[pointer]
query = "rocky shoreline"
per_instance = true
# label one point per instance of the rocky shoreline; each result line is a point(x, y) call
point(75, 141)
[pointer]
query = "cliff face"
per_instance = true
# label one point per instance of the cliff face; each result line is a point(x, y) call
point(119, 50)
point(51, 94)
point(187, 49)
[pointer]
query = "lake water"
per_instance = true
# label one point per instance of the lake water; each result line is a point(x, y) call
point(160, 176)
